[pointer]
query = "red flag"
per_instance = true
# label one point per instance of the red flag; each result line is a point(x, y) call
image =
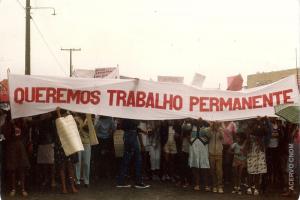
point(4, 91)
point(235, 83)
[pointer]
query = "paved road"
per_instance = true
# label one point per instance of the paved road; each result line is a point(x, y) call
point(158, 191)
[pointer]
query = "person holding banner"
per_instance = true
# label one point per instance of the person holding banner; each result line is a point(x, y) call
point(198, 152)
point(131, 147)
point(65, 163)
point(215, 146)
point(84, 157)
point(17, 161)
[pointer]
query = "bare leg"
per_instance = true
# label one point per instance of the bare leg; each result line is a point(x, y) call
point(63, 178)
point(71, 174)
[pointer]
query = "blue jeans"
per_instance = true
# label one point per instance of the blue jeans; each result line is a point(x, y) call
point(131, 148)
point(85, 159)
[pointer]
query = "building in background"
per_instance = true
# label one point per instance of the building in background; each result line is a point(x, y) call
point(264, 78)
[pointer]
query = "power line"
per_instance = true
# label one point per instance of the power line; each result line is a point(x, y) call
point(18, 1)
point(48, 46)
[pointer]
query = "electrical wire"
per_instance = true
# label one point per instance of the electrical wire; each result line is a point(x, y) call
point(48, 46)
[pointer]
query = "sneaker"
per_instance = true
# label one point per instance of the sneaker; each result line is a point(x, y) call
point(215, 190)
point(123, 186)
point(256, 192)
point(235, 189)
point(220, 191)
point(197, 188)
point(249, 191)
point(240, 192)
point(141, 186)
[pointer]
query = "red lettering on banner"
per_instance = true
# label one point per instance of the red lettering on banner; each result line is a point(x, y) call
point(287, 97)
point(131, 99)
point(236, 104)
point(193, 101)
point(267, 100)
point(55, 95)
point(73, 95)
point(277, 95)
point(19, 95)
point(214, 102)
point(202, 104)
point(111, 96)
point(177, 102)
point(85, 97)
point(255, 101)
point(51, 93)
point(150, 100)
point(246, 103)
point(27, 95)
point(121, 96)
point(38, 94)
point(60, 95)
point(225, 104)
point(140, 99)
point(95, 97)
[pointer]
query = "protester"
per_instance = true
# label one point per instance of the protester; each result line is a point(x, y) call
point(84, 157)
point(65, 163)
point(131, 147)
point(215, 134)
point(169, 154)
point(185, 176)
point(198, 153)
point(256, 160)
point(239, 161)
point(16, 162)
point(45, 152)
point(103, 154)
point(155, 150)
point(145, 130)
point(229, 131)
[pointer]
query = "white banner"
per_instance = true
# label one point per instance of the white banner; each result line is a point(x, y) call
point(146, 100)
point(170, 79)
point(108, 72)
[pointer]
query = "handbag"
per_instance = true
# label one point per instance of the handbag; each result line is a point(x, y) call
point(92, 132)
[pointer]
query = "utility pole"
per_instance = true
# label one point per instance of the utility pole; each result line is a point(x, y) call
point(27, 38)
point(71, 50)
point(27, 34)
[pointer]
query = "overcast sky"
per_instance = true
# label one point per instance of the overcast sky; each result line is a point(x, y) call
point(146, 38)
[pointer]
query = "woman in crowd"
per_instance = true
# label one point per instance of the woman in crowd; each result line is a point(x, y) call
point(155, 149)
point(169, 154)
point(256, 159)
point(198, 153)
point(45, 152)
point(17, 162)
point(184, 153)
point(65, 164)
point(239, 161)
point(84, 157)
point(215, 134)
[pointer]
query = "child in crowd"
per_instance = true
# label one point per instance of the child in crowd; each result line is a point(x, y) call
point(239, 161)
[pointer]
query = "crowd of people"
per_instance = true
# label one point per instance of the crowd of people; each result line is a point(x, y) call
point(249, 156)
